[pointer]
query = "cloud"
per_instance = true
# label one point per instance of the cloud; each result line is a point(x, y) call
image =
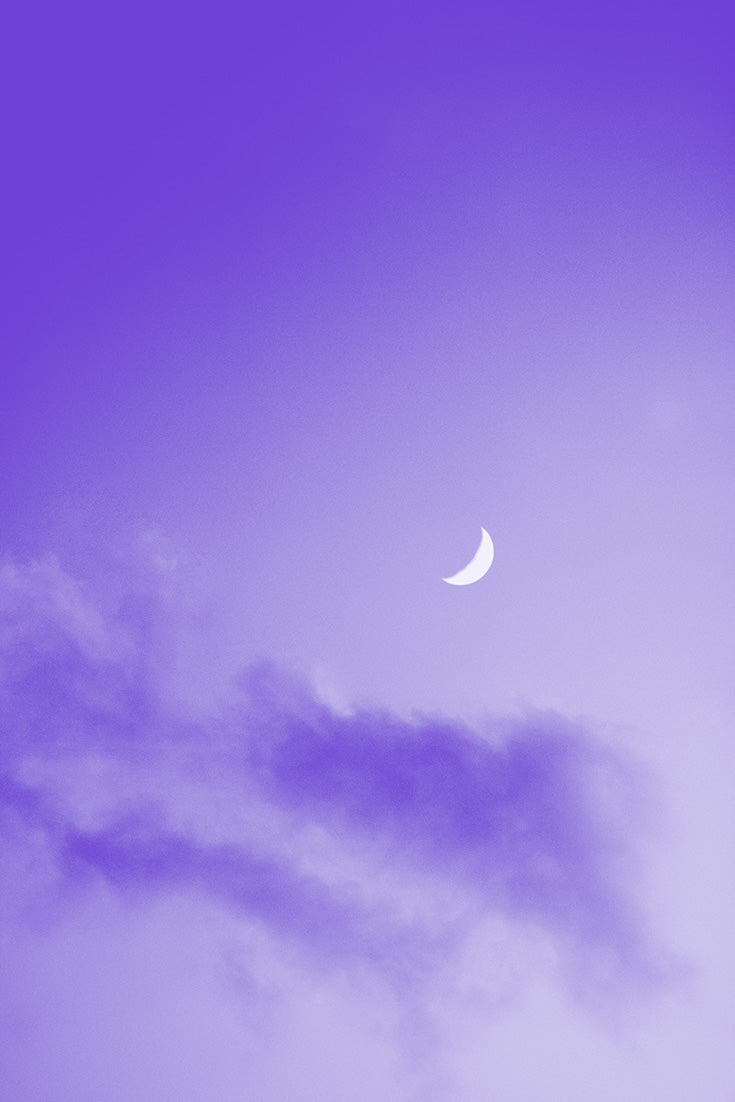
point(359, 838)
point(536, 817)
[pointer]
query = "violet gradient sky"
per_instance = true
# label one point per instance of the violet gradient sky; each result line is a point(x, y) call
point(296, 299)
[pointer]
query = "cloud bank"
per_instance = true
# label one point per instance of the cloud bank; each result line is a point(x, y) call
point(355, 839)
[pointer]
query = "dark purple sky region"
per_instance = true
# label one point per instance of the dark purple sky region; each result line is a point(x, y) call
point(296, 300)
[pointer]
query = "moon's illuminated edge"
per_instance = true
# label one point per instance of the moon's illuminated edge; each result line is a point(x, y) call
point(478, 565)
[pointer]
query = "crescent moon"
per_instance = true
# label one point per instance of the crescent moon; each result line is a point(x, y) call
point(478, 565)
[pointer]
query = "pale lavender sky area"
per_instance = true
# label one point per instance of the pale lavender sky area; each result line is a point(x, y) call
point(297, 299)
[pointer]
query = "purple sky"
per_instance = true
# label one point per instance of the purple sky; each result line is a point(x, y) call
point(297, 300)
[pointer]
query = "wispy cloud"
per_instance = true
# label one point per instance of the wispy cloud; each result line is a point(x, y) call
point(360, 837)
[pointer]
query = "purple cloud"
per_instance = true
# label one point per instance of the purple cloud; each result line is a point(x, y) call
point(291, 814)
point(536, 815)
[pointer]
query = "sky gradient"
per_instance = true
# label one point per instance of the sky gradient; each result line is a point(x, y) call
point(295, 301)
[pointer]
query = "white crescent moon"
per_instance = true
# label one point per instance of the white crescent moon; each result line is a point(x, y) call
point(478, 565)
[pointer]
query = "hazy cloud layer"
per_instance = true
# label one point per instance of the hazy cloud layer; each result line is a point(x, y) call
point(356, 837)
